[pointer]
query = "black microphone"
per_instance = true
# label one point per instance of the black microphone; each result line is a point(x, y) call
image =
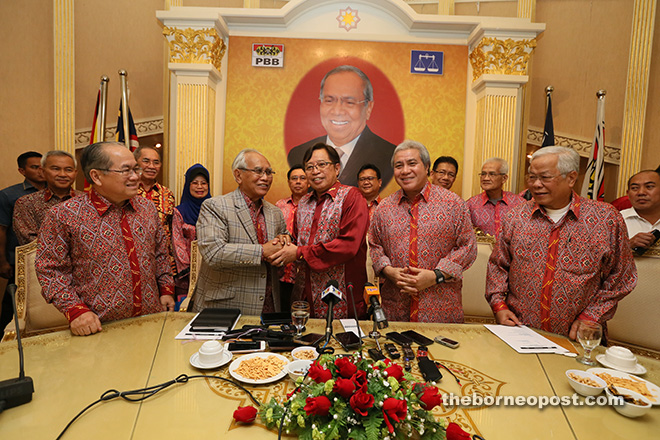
point(15, 392)
point(331, 296)
point(372, 296)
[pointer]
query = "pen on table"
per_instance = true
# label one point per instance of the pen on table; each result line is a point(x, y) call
point(538, 348)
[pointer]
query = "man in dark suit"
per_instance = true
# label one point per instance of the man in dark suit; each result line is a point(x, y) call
point(346, 105)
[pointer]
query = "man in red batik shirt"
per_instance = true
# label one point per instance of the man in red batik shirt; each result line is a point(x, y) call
point(421, 240)
point(559, 258)
point(489, 207)
point(330, 229)
point(103, 255)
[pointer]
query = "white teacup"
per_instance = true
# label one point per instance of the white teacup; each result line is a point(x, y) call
point(620, 357)
point(210, 353)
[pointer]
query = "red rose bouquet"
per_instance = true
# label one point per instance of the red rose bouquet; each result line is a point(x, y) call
point(353, 397)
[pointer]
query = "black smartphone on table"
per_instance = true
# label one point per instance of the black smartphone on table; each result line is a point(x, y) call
point(418, 338)
point(275, 318)
point(246, 346)
point(348, 340)
point(398, 338)
point(309, 339)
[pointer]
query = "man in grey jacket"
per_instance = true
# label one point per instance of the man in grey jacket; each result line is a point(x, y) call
point(236, 234)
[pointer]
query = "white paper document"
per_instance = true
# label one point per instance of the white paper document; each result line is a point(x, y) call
point(351, 326)
point(524, 340)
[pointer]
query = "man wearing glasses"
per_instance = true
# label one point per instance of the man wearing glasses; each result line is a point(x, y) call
point(237, 233)
point(347, 100)
point(560, 258)
point(444, 172)
point(489, 207)
point(103, 255)
point(331, 224)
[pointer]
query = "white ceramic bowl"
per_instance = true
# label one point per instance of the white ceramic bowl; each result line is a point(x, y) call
point(298, 353)
point(620, 357)
point(584, 389)
point(211, 352)
point(298, 369)
point(629, 409)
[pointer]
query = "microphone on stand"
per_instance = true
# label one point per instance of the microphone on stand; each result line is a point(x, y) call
point(349, 286)
point(372, 297)
point(15, 392)
point(331, 296)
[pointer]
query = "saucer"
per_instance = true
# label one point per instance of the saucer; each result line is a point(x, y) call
point(638, 369)
point(226, 357)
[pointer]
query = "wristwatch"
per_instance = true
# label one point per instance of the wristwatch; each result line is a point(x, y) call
point(439, 277)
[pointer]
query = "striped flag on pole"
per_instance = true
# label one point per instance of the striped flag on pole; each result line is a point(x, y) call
point(96, 134)
point(593, 185)
point(131, 129)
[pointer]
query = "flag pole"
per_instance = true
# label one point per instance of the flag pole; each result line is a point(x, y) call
point(103, 105)
point(548, 94)
point(123, 75)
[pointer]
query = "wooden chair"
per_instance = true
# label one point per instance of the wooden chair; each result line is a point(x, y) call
point(475, 306)
point(35, 315)
point(195, 263)
point(635, 323)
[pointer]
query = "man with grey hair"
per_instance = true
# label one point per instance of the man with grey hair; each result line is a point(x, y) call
point(421, 240)
point(346, 104)
point(489, 207)
point(559, 259)
point(60, 170)
point(237, 233)
point(103, 255)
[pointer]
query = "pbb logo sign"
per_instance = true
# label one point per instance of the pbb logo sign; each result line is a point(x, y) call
point(267, 55)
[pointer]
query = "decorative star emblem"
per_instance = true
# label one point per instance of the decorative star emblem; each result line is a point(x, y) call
point(348, 18)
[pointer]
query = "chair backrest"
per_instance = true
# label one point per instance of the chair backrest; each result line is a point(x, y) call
point(35, 315)
point(475, 306)
point(636, 319)
point(195, 263)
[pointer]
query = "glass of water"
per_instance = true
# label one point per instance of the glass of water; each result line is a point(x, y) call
point(299, 315)
point(588, 335)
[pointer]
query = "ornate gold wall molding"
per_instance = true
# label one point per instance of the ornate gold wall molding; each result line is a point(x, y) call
point(64, 74)
point(634, 111)
point(504, 57)
point(144, 127)
point(196, 46)
point(612, 153)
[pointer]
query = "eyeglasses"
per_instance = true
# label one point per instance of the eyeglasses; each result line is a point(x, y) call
point(531, 178)
point(349, 103)
point(445, 173)
point(319, 166)
point(260, 171)
point(491, 175)
point(367, 178)
point(149, 161)
point(126, 172)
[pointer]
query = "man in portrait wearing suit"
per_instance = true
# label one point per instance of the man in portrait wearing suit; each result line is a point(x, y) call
point(236, 235)
point(347, 100)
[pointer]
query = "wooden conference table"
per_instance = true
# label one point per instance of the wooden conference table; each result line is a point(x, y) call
point(71, 372)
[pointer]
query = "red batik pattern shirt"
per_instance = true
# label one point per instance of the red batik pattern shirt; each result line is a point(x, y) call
point(487, 216)
point(288, 209)
point(330, 232)
point(593, 266)
point(445, 241)
point(83, 264)
point(30, 210)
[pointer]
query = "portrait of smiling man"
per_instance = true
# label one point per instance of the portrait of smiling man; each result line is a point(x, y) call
point(347, 100)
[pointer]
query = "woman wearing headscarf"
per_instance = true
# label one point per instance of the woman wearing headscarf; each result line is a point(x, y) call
point(195, 191)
